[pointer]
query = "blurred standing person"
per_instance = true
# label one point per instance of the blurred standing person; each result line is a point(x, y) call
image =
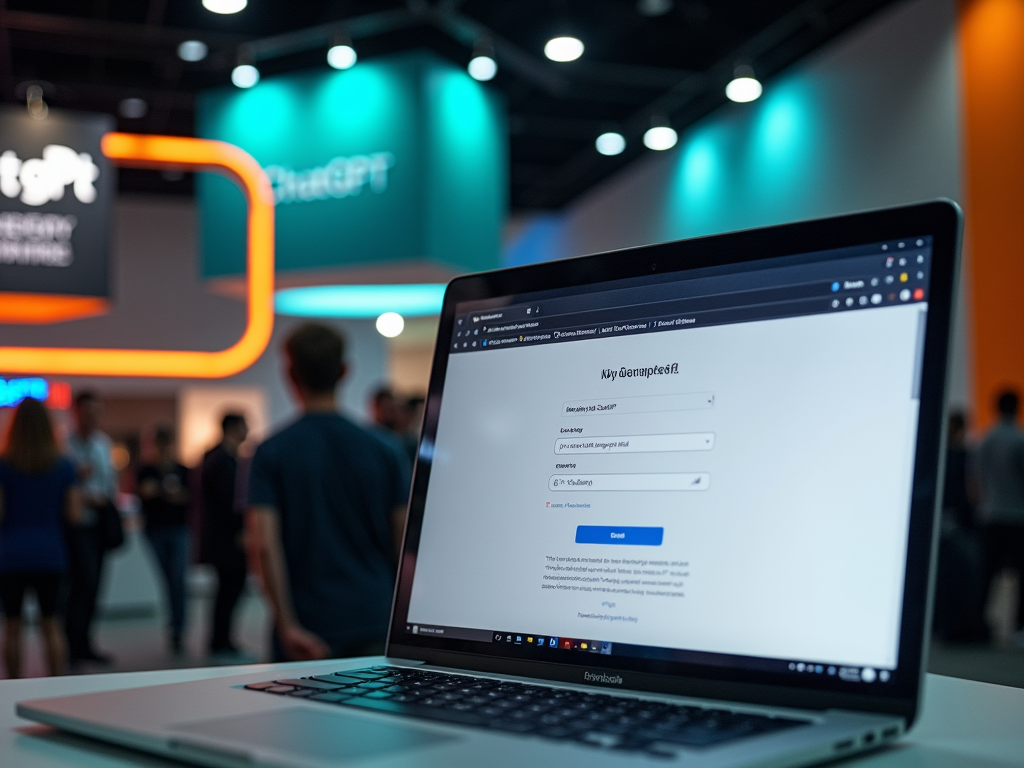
point(223, 508)
point(417, 407)
point(999, 469)
point(326, 510)
point(391, 418)
point(37, 496)
point(89, 451)
point(960, 582)
point(390, 411)
point(163, 489)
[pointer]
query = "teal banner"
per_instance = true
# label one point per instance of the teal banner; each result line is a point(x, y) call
point(396, 161)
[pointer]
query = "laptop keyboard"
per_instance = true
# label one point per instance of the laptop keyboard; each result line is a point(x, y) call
point(596, 719)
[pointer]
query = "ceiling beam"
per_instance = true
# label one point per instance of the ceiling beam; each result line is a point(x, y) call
point(112, 31)
point(323, 35)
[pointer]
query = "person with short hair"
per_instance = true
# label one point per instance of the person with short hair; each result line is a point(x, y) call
point(999, 472)
point(37, 496)
point(326, 511)
point(223, 511)
point(163, 490)
point(390, 417)
point(89, 451)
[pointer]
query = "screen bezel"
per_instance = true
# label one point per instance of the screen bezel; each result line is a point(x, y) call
point(943, 221)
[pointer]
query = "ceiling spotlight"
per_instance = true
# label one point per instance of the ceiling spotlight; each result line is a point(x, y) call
point(744, 86)
point(611, 143)
point(245, 76)
point(660, 137)
point(654, 7)
point(342, 56)
point(482, 68)
point(563, 49)
point(132, 108)
point(390, 324)
point(192, 50)
point(225, 6)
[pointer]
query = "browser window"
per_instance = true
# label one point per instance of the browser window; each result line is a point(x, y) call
point(718, 465)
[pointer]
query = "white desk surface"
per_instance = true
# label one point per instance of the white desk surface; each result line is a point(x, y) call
point(964, 724)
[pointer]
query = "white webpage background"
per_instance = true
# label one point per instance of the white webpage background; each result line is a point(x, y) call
point(796, 551)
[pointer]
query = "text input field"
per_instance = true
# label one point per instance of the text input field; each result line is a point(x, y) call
point(693, 441)
point(644, 404)
point(661, 481)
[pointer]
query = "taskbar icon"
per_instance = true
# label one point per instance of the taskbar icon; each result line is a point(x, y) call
point(553, 642)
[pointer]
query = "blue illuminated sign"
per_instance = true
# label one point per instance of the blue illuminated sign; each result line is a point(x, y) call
point(13, 391)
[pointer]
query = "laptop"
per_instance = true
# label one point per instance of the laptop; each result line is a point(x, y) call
point(674, 503)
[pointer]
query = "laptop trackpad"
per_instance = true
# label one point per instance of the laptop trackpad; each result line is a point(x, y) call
point(302, 731)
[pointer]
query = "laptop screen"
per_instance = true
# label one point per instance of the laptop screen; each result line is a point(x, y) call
point(711, 467)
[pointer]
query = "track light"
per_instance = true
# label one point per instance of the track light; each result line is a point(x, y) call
point(660, 136)
point(563, 49)
point(744, 86)
point(245, 76)
point(342, 56)
point(611, 143)
point(192, 50)
point(225, 6)
point(482, 68)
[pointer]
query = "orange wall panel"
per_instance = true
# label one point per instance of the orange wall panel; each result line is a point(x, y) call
point(991, 36)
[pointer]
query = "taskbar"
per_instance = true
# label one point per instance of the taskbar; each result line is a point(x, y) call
point(551, 648)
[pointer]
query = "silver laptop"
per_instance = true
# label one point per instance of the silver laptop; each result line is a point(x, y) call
point(673, 503)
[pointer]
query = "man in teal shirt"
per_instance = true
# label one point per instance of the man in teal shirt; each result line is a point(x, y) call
point(327, 502)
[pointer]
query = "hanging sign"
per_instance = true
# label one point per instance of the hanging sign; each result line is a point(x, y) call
point(56, 206)
point(399, 162)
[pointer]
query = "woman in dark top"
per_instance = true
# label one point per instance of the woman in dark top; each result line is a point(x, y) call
point(37, 495)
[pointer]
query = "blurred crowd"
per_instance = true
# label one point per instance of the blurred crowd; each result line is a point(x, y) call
point(982, 526)
point(315, 513)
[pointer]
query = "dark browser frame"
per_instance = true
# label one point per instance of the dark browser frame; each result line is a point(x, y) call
point(735, 252)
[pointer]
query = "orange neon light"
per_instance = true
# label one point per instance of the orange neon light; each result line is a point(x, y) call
point(39, 308)
point(195, 155)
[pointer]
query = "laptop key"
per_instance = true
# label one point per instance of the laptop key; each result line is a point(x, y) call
point(338, 679)
point(405, 697)
point(371, 685)
point(279, 689)
point(259, 686)
point(318, 685)
point(377, 695)
point(330, 698)
point(363, 674)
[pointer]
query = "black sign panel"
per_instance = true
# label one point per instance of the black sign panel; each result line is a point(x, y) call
point(56, 203)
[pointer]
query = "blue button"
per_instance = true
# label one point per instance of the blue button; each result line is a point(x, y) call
point(610, 534)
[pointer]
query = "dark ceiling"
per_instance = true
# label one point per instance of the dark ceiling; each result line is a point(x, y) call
point(91, 54)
